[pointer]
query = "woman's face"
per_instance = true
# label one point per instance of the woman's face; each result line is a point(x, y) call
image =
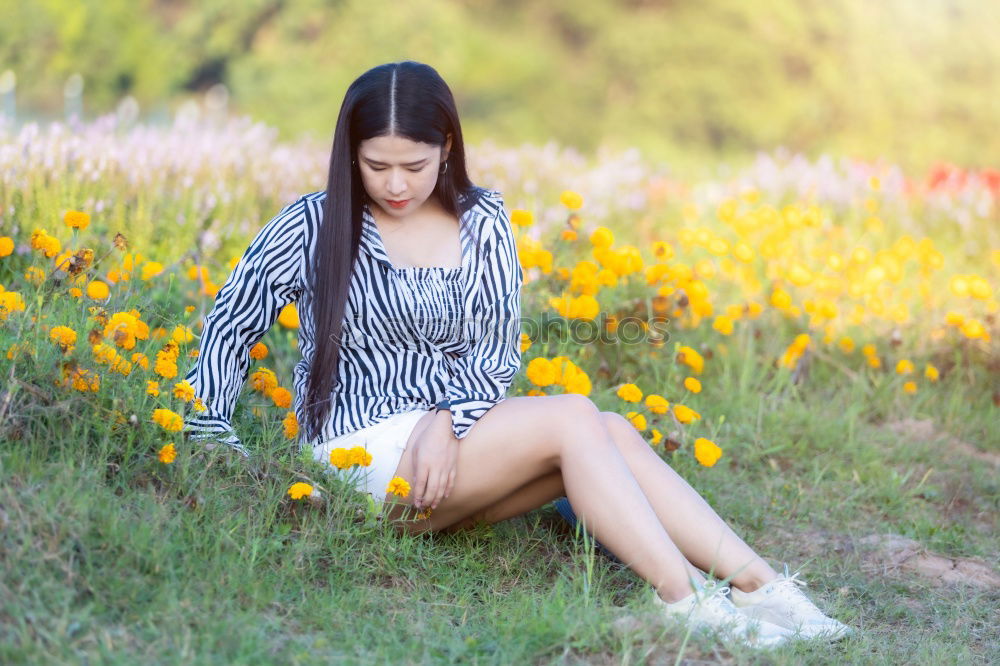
point(396, 170)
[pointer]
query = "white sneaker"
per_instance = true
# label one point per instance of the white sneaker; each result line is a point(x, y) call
point(708, 609)
point(781, 602)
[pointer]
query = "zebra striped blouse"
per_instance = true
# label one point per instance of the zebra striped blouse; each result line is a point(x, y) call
point(413, 336)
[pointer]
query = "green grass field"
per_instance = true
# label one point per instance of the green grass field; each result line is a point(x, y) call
point(886, 499)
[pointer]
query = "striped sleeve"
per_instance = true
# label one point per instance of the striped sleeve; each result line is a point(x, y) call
point(481, 378)
point(268, 277)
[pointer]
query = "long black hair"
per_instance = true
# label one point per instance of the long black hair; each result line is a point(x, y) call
point(407, 99)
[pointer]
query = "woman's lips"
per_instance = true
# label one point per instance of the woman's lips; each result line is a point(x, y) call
point(397, 204)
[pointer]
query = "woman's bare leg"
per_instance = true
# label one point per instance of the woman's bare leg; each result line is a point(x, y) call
point(524, 438)
point(704, 538)
point(699, 532)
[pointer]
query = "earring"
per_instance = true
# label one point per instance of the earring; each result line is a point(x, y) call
point(442, 172)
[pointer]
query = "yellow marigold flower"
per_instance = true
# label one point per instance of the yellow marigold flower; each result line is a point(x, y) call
point(904, 367)
point(691, 358)
point(10, 301)
point(931, 373)
point(141, 359)
point(910, 387)
point(954, 319)
point(525, 342)
point(300, 490)
point(874, 361)
point(522, 218)
point(800, 342)
point(657, 403)
point(198, 405)
point(97, 290)
point(973, 329)
point(692, 384)
point(64, 336)
point(585, 307)
point(577, 381)
point(340, 458)
point(360, 456)
point(49, 245)
point(34, 275)
point(76, 219)
point(289, 316)
point(706, 451)
point(846, 344)
point(184, 391)
point(150, 269)
point(167, 453)
point(264, 380)
point(291, 425)
point(182, 334)
point(165, 367)
point(685, 414)
point(282, 397)
point(723, 324)
point(188, 309)
point(629, 393)
point(541, 372)
point(258, 351)
point(780, 298)
point(602, 238)
point(656, 437)
point(636, 419)
point(6, 246)
point(168, 419)
point(571, 199)
point(398, 486)
point(76, 292)
point(152, 388)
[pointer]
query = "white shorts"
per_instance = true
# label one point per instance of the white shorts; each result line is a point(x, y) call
point(385, 441)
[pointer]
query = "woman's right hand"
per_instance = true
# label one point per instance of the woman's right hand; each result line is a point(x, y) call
point(435, 457)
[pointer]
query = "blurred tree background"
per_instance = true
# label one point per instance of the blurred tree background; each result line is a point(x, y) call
point(913, 81)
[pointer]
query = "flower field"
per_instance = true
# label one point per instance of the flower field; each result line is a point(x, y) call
point(813, 344)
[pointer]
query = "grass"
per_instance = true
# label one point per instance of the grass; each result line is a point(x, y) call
point(107, 556)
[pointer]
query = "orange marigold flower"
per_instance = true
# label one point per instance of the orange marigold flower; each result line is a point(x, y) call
point(657, 403)
point(685, 414)
point(904, 367)
point(629, 393)
point(152, 388)
point(97, 290)
point(289, 316)
point(541, 372)
point(706, 451)
point(258, 351)
point(167, 453)
point(168, 419)
point(636, 419)
point(692, 384)
point(282, 397)
point(64, 336)
point(6, 246)
point(291, 425)
point(263, 380)
point(76, 219)
point(184, 391)
point(910, 387)
point(299, 490)
point(398, 486)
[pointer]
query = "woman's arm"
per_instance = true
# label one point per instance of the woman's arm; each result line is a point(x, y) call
point(269, 276)
point(481, 378)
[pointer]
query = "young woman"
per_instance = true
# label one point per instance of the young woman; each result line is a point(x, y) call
point(408, 289)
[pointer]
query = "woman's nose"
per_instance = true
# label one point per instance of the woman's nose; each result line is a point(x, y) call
point(397, 183)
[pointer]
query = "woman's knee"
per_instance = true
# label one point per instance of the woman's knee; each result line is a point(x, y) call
point(622, 432)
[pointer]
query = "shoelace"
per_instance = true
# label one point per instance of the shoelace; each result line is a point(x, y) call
point(796, 596)
point(716, 595)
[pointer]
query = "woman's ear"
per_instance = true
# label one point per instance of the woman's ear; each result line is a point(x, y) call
point(446, 149)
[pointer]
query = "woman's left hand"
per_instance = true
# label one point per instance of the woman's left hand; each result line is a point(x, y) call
point(435, 458)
